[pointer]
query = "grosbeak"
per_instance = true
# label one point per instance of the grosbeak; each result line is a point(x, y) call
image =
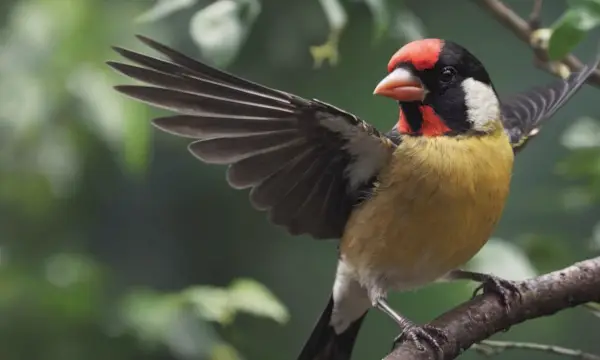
point(409, 206)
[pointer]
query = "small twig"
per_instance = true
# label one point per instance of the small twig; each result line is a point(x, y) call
point(535, 21)
point(515, 23)
point(337, 19)
point(492, 347)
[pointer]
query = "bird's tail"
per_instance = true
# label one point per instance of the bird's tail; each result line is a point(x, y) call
point(325, 344)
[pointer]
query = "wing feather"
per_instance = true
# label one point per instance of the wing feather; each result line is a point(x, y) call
point(255, 169)
point(219, 125)
point(196, 104)
point(304, 160)
point(268, 193)
point(327, 199)
point(524, 113)
point(290, 204)
point(208, 87)
point(227, 150)
point(305, 215)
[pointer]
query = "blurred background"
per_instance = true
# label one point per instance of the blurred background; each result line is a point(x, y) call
point(115, 243)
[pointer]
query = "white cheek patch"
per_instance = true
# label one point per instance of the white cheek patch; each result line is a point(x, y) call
point(483, 107)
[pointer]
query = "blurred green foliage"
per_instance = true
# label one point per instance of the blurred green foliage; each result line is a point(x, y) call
point(573, 26)
point(107, 230)
point(180, 320)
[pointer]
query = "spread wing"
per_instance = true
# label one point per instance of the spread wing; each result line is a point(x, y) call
point(305, 161)
point(524, 113)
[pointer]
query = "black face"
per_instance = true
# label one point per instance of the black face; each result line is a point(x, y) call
point(443, 83)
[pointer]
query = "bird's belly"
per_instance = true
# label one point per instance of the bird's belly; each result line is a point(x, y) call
point(426, 219)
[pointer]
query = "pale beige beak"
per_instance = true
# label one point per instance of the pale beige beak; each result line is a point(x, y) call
point(401, 85)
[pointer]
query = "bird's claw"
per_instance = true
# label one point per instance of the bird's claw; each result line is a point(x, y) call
point(506, 289)
point(417, 334)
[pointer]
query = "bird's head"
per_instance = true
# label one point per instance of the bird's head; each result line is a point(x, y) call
point(442, 89)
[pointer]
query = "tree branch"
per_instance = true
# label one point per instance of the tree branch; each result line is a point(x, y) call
point(491, 348)
point(484, 315)
point(524, 31)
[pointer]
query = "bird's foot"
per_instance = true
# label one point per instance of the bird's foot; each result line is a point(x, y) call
point(432, 335)
point(505, 289)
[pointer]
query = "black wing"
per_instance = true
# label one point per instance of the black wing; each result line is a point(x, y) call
point(524, 113)
point(305, 161)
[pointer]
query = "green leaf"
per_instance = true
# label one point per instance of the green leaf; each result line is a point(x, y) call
point(243, 295)
point(254, 298)
point(545, 251)
point(58, 160)
point(148, 314)
point(381, 16)
point(212, 303)
point(337, 19)
point(408, 26)
point(571, 28)
point(119, 122)
point(136, 140)
point(582, 133)
point(591, 5)
point(593, 307)
point(504, 259)
point(157, 318)
point(224, 351)
point(181, 320)
point(220, 28)
point(335, 14)
point(164, 8)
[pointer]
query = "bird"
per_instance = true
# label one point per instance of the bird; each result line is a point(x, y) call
point(408, 207)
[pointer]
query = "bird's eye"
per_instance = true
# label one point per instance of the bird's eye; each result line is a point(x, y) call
point(448, 74)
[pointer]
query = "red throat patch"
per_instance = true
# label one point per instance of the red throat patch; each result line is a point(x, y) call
point(423, 54)
point(432, 125)
point(403, 126)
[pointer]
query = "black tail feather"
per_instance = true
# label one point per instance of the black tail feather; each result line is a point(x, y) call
point(325, 344)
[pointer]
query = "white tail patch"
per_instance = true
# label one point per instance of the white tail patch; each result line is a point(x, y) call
point(350, 300)
point(483, 106)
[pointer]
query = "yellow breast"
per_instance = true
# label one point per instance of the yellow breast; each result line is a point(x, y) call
point(436, 205)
